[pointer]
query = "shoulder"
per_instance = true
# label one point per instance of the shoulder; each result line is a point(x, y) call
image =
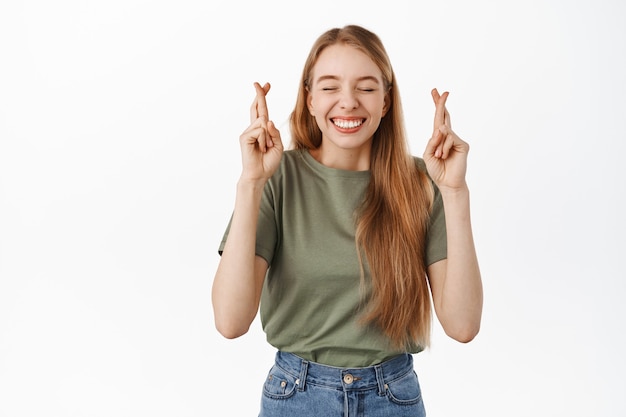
point(420, 164)
point(288, 168)
point(291, 156)
point(290, 160)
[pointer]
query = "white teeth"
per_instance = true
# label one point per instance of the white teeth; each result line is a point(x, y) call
point(347, 124)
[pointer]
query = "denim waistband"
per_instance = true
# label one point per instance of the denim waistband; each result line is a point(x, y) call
point(308, 372)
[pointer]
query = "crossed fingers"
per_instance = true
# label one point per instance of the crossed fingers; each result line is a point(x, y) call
point(259, 105)
point(442, 117)
point(444, 137)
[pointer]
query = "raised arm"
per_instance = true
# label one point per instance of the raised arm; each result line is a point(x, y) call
point(240, 274)
point(455, 282)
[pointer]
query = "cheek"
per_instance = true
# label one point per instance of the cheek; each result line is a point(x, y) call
point(320, 120)
point(380, 107)
point(314, 106)
point(318, 108)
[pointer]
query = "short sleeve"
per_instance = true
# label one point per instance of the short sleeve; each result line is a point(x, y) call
point(267, 230)
point(437, 246)
point(267, 236)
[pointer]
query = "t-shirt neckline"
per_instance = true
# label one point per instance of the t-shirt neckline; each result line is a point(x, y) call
point(317, 166)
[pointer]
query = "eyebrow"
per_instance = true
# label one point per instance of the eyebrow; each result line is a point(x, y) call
point(334, 77)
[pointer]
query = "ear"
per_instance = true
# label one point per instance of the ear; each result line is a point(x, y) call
point(309, 103)
point(386, 104)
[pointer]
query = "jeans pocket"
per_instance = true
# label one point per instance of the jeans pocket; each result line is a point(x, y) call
point(279, 384)
point(405, 390)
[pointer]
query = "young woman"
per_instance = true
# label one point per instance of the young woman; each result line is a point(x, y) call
point(343, 240)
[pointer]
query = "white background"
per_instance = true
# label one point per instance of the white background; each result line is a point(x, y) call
point(119, 126)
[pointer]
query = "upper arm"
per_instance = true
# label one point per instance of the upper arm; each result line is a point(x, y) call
point(260, 270)
point(436, 277)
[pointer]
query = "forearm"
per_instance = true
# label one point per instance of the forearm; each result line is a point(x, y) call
point(461, 300)
point(236, 290)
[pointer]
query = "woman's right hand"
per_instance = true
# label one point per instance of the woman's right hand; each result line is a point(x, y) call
point(261, 145)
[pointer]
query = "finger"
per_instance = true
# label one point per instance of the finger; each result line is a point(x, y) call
point(435, 94)
point(436, 98)
point(452, 142)
point(256, 123)
point(440, 108)
point(251, 135)
point(259, 105)
point(262, 140)
point(257, 138)
point(269, 142)
point(274, 134)
point(446, 145)
point(253, 108)
point(433, 145)
point(447, 120)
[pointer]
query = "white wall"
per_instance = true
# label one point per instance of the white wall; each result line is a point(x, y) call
point(119, 126)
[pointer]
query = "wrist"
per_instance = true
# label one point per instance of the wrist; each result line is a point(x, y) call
point(250, 184)
point(458, 191)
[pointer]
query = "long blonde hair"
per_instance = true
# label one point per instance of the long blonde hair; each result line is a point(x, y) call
point(392, 220)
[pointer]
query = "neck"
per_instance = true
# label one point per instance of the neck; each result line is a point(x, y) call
point(345, 159)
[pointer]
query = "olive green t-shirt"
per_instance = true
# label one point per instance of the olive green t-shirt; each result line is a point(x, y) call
point(311, 296)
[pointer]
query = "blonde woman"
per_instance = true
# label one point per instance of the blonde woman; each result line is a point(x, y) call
point(344, 240)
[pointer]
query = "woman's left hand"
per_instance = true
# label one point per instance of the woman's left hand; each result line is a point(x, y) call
point(446, 153)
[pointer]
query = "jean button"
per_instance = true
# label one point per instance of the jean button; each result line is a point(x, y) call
point(348, 379)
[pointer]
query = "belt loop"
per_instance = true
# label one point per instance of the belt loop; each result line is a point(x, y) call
point(304, 366)
point(380, 380)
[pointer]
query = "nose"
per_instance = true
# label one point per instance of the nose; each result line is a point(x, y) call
point(349, 99)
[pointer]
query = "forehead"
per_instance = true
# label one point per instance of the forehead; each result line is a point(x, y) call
point(344, 62)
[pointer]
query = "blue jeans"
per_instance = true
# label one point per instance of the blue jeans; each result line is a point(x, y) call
point(296, 387)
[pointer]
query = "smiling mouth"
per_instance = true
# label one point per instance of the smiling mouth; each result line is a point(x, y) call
point(348, 124)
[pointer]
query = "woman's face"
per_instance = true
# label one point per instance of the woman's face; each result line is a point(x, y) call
point(348, 98)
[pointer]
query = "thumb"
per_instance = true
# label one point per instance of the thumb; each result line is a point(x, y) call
point(274, 134)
